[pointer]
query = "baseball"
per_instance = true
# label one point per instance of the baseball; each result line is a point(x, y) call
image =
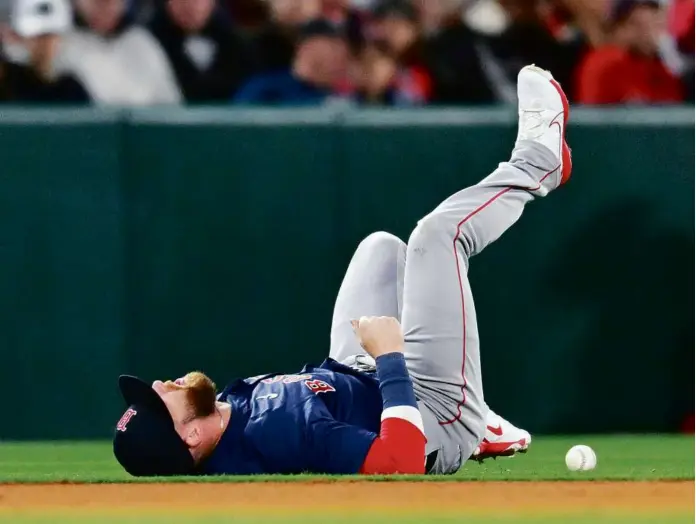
point(581, 458)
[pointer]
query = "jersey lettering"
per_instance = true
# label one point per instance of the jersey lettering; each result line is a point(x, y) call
point(254, 379)
point(125, 419)
point(291, 379)
point(319, 386)
point(270, 396)
point(286, 379)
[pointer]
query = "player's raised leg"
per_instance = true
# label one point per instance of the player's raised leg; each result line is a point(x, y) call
point(439, 318)
point(374, 282)
point(372, 286)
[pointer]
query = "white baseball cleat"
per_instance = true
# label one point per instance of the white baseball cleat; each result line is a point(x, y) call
point(543, 117)
point(502, 439)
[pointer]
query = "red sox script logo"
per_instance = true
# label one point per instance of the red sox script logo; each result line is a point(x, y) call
point(125, 419)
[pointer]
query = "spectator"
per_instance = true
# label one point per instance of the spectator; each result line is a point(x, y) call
point(451, 55)
point(629, 69)
point(247, 14)
point(117, 61)
point(677, 46)
point(393, 70)
point(210, 60)
point(27, 70)
point(682, 25)
point(526, 40)
point(319, 65)
point(349, 19)
point(274, 45)
point(568, 19)
point(295, 13)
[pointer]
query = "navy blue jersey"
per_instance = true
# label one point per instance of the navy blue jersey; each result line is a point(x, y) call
point(322, 420)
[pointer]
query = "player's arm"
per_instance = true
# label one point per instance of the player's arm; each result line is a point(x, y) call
point(400, 445)
point(319, 443)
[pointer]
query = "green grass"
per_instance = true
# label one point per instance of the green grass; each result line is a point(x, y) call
point(619, 458)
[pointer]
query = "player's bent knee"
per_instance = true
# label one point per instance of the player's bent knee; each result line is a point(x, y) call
point(382, 242)
point(439, 229)
point(433, 228)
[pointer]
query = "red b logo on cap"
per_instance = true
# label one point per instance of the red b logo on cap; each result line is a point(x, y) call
point(125, 419)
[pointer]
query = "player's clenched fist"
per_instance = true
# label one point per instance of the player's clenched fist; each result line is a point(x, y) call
point(379, 335)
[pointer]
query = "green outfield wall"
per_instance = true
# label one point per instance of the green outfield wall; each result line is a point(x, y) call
point(160, 241)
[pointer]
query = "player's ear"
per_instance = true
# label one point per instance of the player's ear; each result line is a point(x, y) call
point(193, 434)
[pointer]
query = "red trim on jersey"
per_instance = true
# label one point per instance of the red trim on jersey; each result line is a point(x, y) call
point(400, 448)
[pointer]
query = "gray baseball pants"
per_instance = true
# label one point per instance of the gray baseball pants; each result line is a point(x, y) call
point(424, 284)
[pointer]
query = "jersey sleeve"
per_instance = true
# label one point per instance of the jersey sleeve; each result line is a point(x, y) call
point(400, 446)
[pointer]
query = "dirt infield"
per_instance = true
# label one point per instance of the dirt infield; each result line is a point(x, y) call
point(402, 497)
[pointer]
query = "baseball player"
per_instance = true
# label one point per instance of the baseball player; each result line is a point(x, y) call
point(401, 391)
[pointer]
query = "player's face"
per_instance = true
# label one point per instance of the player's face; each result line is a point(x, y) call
point(189, 400)
point(175, 397)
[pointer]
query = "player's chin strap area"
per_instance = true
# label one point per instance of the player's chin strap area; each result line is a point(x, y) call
point(363, 363)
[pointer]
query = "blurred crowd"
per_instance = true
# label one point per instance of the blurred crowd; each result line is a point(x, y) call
point(311, 52)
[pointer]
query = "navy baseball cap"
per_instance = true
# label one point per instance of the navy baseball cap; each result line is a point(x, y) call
point(145, 441)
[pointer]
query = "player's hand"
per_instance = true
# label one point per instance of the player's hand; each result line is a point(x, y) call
point(379, 335)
